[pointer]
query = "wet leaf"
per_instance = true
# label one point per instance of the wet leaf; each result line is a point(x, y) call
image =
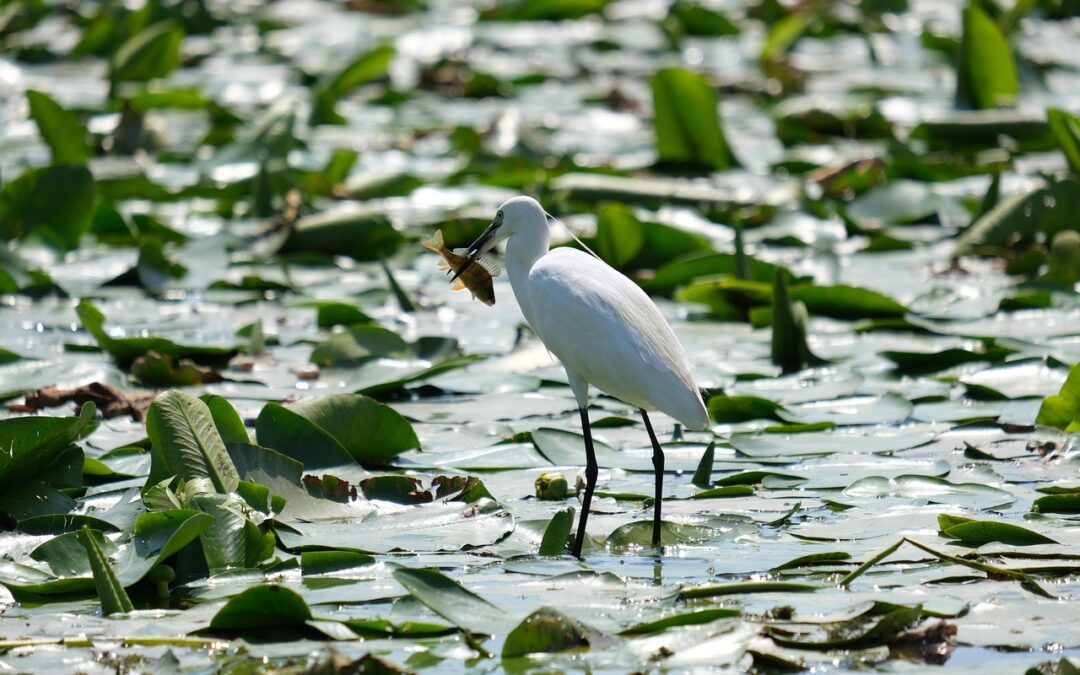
point(1064, 503)
point(743, 587)
point(619, 234)
point(685, 619)
point(1066, 129)
point(126, 350)
point(930, 488)
point(639, 534)
point(450, 600)
point(986, 73)
point(361, 233)
point(847, 302)
point(1045, 210)
point(978, 532)
point(60, 129)
point(546, 631)
point(295, 436)
point(789, 325)
point(726, 409)
point(114, 599)
point(557, 533)
point(55, 201)
point(687, 124)
point(263, 607)
point(186, 441)
point(357, 345)
point(364, 68)
point(371, 432)
point(152, 53)
point(1062, 410)
point(34, 445)
point(159, 370)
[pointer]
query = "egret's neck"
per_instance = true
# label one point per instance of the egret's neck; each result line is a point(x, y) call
point(523, 249)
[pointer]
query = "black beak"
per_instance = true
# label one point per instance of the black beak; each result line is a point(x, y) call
point(476, 249)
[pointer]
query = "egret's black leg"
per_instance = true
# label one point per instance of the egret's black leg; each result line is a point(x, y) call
point(658, 469)
point(591, 471)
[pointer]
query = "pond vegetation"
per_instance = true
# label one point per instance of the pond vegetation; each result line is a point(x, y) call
point(249, 427)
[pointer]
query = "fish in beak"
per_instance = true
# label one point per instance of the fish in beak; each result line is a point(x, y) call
point(484, 243)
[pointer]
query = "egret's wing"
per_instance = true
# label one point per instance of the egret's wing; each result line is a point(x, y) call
point(607, 330)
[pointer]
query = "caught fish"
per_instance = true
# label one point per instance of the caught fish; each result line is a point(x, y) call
point(477, 278)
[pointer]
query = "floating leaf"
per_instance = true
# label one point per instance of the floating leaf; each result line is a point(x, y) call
point(60, 129)
point(724, 492)
point(727, 409)
point(152, 53)
point(1047, 210)
point(686, 619)
point(743, 587)
point(979, 532)
point(267, 606)
point(361, 233)
point(357, 345)
point(293, 435)
point(546, 631)
point(57, 201)
point(847, 302)
point(450, 600)
point(1063, 503)
point(687, 123)
point(639, 534)
point(371, 432)
point(986, 73)
point(619, 234)
point(932, 489)
point(126, 350)
point(159, 370)
point(364, 68)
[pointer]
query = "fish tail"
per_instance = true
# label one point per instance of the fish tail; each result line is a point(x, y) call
point(434, 242)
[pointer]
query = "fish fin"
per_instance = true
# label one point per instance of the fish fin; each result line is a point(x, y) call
point(489, 263)
point(443, 265)
point(433, 243)
point(458, 285)
point(463, 252)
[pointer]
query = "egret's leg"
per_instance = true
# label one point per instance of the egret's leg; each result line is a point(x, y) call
point(658, 470)
point(591, 472)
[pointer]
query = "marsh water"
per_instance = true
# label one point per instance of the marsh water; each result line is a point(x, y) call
point(918, 412)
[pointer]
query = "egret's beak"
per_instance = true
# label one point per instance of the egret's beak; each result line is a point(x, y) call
point(484, 243)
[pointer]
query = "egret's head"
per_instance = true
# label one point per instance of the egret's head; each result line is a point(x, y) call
point(516, 215)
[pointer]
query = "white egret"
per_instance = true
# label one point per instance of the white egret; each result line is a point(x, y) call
point(603, 328)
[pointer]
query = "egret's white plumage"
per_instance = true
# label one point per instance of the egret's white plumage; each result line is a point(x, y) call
point(603, 328)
